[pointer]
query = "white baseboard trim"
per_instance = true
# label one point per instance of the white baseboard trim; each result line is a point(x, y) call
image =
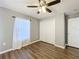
point(54, 44)
point(59, 46)
point(31, 43)
point(19, 48)
point(48, 42)
point(6, 51)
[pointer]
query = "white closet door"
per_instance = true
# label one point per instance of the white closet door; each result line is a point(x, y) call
point(73, 32)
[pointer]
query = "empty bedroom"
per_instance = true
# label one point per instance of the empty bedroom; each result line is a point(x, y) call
point(39, 29)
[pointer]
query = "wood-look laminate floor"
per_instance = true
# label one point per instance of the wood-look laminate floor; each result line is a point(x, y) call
point(41, 50)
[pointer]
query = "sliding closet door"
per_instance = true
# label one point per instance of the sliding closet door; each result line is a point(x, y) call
point(21, 34)
point(73, 32)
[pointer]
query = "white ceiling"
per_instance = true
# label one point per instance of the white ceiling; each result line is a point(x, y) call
point(68, 6)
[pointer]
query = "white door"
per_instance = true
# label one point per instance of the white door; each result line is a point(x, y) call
point(73, 32)
point(21, 33)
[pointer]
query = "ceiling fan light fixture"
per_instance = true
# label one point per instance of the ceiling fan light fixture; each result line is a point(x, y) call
point(40, 10)
point(44, 8)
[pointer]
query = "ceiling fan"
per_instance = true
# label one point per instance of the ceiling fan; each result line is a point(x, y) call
point(43, 6)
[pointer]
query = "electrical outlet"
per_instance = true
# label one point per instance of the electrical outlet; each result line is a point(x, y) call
point(4, 44)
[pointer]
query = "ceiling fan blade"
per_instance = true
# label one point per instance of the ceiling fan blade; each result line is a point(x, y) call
point(48, 10)
point(33, 6)
point(53, 2)
point(39, 1)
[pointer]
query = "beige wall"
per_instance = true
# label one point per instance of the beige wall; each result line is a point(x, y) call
point(6, 28)
point(60, 30)
point(35, 29)
point(47, 30)
point(52, 30)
